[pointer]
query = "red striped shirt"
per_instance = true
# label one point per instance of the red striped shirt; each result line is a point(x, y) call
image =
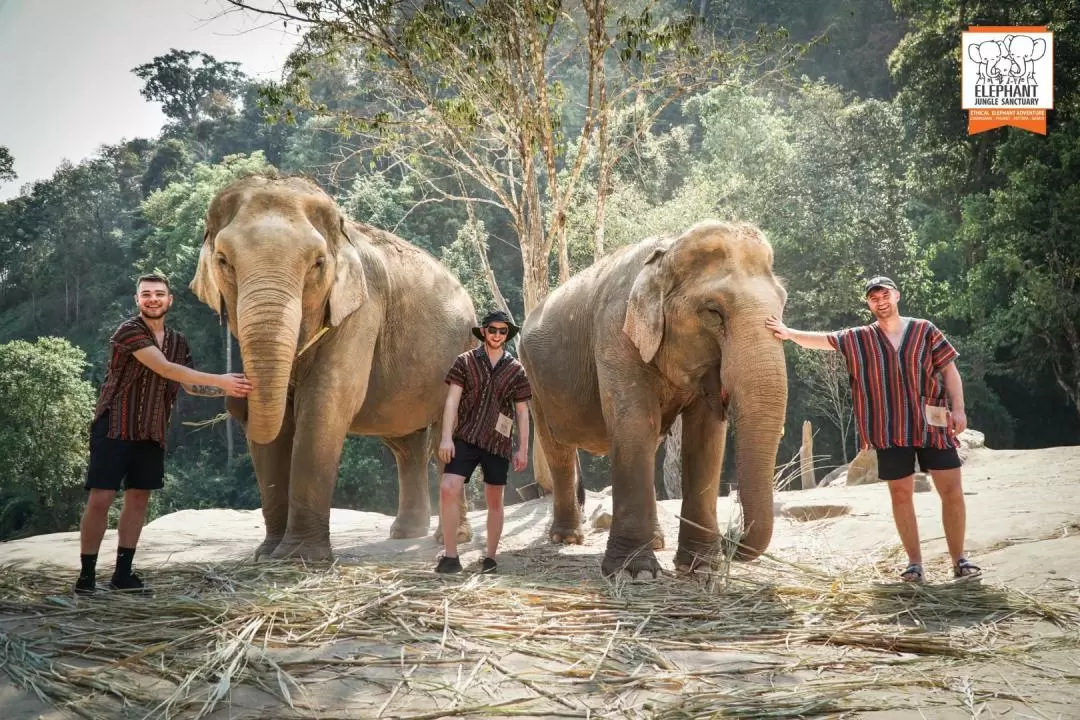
point(138, 400)
point(890, 386)
point(486, 392)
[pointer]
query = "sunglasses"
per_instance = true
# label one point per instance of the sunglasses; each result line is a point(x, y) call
point(497, 331)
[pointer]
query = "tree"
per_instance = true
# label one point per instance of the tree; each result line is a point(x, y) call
point(826, 376)
point(45, 413)
point(480, 93)
point(191, 85)
point(7, 165)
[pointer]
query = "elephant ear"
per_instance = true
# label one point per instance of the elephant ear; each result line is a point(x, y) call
point(350, 288)
point(644, 323)
point(203, 284)
point(1039, 49)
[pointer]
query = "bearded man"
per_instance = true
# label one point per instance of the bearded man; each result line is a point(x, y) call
point(148, 363)
point(909, 403)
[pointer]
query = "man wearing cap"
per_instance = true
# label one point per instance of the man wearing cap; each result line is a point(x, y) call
point(909, 403)
point(488, 390)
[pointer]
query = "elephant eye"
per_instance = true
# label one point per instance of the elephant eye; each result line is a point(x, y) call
point(320, 261)
point(222, 261)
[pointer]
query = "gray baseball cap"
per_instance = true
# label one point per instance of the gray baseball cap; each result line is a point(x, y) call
point(879, 281)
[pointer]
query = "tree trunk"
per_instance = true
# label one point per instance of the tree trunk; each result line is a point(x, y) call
point(673, 460)
point(229, 448)
point(806, 457)
point(602, 187)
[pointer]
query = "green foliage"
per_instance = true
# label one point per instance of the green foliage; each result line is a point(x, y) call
point(367, 477)
point(462, 257)
point(190, 85)
point(7, 165)
point(45, 413)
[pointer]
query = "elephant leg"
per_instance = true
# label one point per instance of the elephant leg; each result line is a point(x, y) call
point(322, 421)
point(561, 463)
point(414, 501)
point(272, 463)
point(635, 424)
point(704, 434)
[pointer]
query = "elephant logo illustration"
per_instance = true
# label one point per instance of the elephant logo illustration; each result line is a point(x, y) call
point(1009, 61)
point(1007, 77)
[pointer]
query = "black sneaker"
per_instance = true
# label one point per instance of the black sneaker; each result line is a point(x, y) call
point(86, 585)
point(489, 565)
point(130, 583)
point(448, 564)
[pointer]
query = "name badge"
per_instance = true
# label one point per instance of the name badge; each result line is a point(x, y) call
point(937, 416)
point(503, 425)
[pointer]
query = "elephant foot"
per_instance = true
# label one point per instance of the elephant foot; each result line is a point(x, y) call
point(267, 547)
point(306, 551)
point(464, 533)
point(634, 560)
point(566, 534)
point(698, 557)
point(409, 527)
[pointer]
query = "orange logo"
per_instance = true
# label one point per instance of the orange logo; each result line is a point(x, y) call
point(1008, 77)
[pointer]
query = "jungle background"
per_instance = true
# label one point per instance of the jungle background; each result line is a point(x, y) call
point(517, 143)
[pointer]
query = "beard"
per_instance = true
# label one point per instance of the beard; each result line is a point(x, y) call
point(155, 314)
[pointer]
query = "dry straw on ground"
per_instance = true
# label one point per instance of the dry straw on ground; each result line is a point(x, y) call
point(766, 640)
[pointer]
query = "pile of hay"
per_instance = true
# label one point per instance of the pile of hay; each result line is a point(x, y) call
point(763, 640)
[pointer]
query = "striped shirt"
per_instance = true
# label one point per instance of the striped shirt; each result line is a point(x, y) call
point(890, 386)
point(138, 400)
point(486, 393)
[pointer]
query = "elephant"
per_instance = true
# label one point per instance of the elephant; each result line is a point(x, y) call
point(991, 59)
point(1022, 52)
point(343, 329)
point(667, 326)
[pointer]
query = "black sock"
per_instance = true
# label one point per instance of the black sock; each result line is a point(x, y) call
point(89, 565)
point(124, 556)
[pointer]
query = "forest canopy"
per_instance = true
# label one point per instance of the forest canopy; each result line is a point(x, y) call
point(520, 142)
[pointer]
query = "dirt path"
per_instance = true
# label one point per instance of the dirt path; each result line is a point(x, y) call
point(947, 651)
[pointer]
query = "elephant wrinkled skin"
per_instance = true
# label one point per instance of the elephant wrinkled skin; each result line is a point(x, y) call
point(343, 328)
point(663, 327)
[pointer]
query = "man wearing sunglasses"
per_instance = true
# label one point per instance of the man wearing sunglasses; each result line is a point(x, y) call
point(488, 390)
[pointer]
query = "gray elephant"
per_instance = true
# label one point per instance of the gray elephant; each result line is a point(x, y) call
point(343, 328)
point(663, 327)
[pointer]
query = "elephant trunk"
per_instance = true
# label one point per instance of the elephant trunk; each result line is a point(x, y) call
point(268, 323)
point(755, 370)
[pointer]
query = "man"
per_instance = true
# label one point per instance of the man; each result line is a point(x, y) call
point(909, 403)
point(488, 388)
point(148, 363)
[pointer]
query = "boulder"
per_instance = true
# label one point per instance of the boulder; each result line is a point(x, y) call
point(600, 517)
point(863, 469)
point(923, 483)
point(836, 476)
point(969, 440)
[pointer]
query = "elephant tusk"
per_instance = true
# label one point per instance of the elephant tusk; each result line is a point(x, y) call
point(311, 342)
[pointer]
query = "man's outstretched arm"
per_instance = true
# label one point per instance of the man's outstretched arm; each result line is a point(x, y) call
point(805, 338)
point(194, 381)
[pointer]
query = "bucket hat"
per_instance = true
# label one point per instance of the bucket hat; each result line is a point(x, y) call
point(496, 316)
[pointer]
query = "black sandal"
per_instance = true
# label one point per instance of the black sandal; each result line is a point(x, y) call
point(965, 568)
point(913, 573)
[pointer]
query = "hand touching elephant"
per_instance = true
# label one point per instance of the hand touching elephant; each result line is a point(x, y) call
point(664, 327)
point(344, 329)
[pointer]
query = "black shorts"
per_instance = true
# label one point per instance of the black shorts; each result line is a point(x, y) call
point(137, 464)
point(467, 456)
point(896, 463)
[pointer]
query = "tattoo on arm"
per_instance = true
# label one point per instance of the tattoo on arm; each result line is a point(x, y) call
point(204, 390)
